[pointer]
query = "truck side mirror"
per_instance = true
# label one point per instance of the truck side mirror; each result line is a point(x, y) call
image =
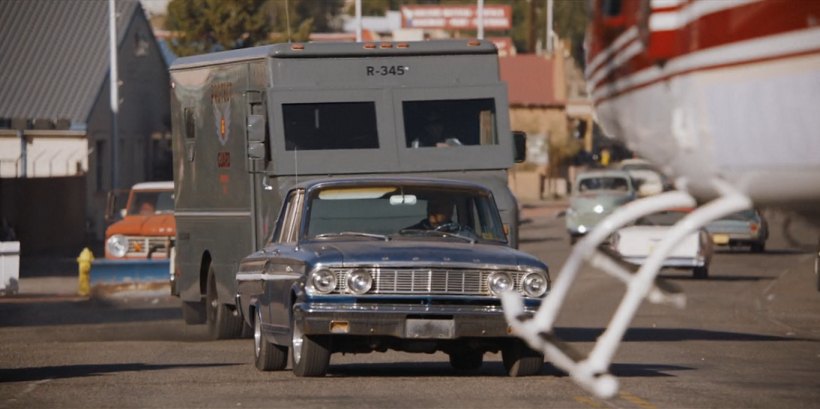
point(520, 146)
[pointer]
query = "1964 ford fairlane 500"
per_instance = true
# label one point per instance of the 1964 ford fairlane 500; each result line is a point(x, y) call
point(359, 265)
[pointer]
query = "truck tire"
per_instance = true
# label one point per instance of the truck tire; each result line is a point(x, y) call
point(224, 322)
point(194, 312)
point(311, 355)
point(268, 356)
point(520, 360)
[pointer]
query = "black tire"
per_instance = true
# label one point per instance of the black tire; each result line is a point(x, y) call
point(700, 273)
point(311, 354)
point(268, 356)
point(520, 360)
point(194, 312)
point(466, 360)
point(224, 321)
point(758, 247)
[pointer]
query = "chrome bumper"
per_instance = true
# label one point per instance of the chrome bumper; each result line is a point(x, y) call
point(403, 321)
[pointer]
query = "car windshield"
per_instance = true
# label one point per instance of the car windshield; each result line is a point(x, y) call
point(603, 183)
point(151, 202)
point(393, 211)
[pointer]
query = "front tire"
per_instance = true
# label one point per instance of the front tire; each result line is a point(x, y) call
point(269, 357)
point(311, 354)
point(224, 322)
point(520, 360)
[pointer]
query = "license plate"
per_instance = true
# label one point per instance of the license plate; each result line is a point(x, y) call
point(430, 329)
point(720, 238)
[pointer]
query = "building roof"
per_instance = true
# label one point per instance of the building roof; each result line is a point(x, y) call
point(530, 80)
point(55, 56)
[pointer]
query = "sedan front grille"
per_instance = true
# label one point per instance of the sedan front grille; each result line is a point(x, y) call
point(427, 281)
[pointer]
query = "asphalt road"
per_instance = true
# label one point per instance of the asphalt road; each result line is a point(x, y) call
point(749, 338)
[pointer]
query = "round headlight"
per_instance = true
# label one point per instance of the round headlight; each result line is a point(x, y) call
point(117, 245)
point(322, 281)
point(359, 282)
point(534, 284)
point(499, 282)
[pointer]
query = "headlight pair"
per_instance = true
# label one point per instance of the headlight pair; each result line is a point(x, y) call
point(324, 282)
point(533, 284)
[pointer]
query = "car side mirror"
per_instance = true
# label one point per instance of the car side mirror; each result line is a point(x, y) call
point(520, 146)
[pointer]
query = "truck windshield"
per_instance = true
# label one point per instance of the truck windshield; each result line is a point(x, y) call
point(403, 211)
point(453, 122)
point(151, 202)
point(338, 125)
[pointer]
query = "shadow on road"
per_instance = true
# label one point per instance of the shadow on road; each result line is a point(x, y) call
point(666, 335)
point(79, 371)
point(93, 311)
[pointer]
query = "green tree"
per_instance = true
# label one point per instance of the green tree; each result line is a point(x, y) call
point(202, 26)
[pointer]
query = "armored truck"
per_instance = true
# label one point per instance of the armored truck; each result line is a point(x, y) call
point(250, 124)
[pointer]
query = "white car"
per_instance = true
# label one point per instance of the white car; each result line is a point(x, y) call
point(635, 243)
point(650, 180)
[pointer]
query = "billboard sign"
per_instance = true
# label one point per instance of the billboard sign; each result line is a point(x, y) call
point(496, 17)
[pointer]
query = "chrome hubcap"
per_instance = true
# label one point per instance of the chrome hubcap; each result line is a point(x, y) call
point(257, 334)
point(297, 344)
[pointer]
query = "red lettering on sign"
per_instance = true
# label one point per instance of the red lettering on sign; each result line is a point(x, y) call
point(223, 159)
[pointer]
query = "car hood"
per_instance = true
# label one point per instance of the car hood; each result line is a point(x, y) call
point(153, 225)
point(419, 252)
point(584, 202)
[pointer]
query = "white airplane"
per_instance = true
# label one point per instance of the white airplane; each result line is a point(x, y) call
point(724, 95)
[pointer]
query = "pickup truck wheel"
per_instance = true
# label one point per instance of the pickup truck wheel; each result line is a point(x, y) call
point(224, 322)
point(269, 357)
point(466, 360)
point(311, 355)
point(520, 360)
point(758, 247)
point(193, 312)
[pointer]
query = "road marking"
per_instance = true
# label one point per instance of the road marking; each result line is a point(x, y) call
point(637, 401)
point(588, 401)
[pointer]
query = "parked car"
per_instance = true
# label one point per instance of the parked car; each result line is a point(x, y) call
point(358, 265)
point(595, 194)
point(636, 242)
point(744, 228)
point(649, 178)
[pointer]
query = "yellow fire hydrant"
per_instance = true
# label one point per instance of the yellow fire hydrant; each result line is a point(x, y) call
point(84, 261)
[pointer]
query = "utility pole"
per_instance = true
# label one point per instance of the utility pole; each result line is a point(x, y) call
point(358, 21)
point(480, 19)
point(115, 97)
point(549, 27)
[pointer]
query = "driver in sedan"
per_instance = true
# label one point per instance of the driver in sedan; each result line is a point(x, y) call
point(439, 217)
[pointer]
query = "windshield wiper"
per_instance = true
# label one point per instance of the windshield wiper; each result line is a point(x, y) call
point(353, 233)
point(438, 233)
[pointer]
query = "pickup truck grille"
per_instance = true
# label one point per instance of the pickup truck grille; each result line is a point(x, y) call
point(140, 246)
point(427, 281)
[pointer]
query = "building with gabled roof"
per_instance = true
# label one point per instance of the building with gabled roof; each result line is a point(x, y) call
point(55, 113)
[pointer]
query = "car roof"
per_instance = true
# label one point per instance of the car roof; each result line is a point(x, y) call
point(603, 173)
point(379, 180)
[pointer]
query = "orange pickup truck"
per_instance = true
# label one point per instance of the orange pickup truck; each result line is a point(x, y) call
point(147, 229)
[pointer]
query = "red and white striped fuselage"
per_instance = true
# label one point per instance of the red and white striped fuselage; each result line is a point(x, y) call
point(726, 89)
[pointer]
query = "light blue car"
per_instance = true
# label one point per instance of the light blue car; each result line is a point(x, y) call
point(596, 194)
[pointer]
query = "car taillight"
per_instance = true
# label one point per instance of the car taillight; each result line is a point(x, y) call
point(754, 227)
